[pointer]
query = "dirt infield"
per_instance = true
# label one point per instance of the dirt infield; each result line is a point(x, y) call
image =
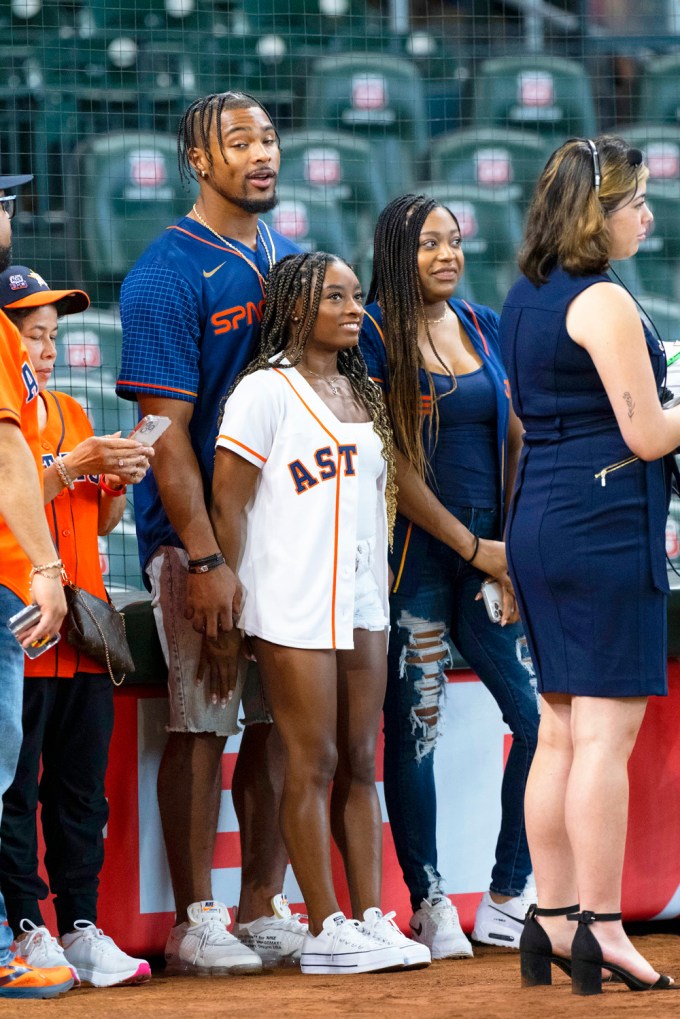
point(486, 987)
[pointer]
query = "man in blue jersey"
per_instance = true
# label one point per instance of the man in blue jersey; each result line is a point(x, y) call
point(191, 310)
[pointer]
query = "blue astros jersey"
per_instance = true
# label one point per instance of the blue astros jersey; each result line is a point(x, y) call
point(191, 311)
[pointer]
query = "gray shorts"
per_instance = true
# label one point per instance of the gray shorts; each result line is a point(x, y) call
point(190, 707)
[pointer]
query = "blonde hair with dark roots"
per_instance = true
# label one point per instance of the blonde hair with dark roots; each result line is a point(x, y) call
point(294, 287)
point(567, 219)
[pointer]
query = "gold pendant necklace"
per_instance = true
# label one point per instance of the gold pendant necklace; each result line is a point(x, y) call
point(331, 381)
point(271, 254)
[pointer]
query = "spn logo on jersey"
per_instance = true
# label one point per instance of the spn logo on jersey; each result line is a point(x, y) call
point(231, 318)
point(304, 479)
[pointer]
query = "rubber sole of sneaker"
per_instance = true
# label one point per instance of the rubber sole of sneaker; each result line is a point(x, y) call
point(36, 992)
point(142, 975)
point(185, 969)
point(500, 939)
point(320, 966)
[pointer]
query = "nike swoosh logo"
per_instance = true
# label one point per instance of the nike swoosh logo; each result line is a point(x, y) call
point(212, 271)
point(417, 930)
point(508, 916)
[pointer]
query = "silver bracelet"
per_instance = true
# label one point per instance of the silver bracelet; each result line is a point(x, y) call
point(64, 476)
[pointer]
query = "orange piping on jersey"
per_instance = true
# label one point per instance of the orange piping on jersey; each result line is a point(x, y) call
point(252, 452)
point(380, 332)
point(151, 385)
point(474, 319)
point(210, 244)
point(337, 501)
point(403, 557)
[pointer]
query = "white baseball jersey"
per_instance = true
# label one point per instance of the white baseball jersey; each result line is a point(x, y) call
point(298, 563)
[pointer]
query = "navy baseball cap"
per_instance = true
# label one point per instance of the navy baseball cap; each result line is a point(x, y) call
point(21, 287)
point(9, 183)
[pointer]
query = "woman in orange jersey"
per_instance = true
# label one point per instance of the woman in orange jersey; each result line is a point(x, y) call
point(68, 698)
point(305, 454)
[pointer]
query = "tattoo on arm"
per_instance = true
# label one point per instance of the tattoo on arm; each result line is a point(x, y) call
point(630, 404)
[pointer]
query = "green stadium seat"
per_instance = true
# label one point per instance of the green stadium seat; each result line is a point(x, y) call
point(381, 100)
point(19, 73)
point(491, 230)
point(123, 191)
point(660, 145)
point(264, 66)
point(91, 339)
point(27, 20)
point(658, 257)
point(660, 91)
point(340, 169)
point(314, 223)
point(546, 94)
point(158, 17)
point(311, 22)
point(490, 158)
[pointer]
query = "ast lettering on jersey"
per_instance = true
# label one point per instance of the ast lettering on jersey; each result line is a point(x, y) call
point(303, 479)
point(30, 382)
point(230, 318)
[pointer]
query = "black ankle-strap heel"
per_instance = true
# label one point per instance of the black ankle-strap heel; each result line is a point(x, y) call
point(535, 950)
point(587, 960)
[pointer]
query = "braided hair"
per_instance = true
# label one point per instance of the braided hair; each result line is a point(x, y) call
point(395, 284)
point(198, 121)
point(294, 287)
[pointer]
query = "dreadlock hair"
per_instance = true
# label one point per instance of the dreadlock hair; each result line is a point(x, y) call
point(294, 286)
point(197, 123)
point(395, 284)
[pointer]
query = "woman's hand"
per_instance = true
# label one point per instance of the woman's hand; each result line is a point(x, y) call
point(491, 559)
point(123, 461)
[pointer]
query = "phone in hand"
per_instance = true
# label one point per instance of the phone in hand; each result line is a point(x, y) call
point(492, 596)
point(150, 428)
point(26, 617)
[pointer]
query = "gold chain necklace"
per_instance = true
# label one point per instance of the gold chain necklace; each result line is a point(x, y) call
point(331, 381)
point(433, 321)
point(271, 255)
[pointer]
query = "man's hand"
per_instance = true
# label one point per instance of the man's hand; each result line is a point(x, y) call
point(48, 594)
point(218, 666)
point(213, 601)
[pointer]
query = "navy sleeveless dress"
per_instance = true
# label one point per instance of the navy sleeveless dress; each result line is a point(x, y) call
point(586, 530)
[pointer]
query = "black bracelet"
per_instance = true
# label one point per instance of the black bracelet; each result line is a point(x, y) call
point(208, 563)
point(472, 557)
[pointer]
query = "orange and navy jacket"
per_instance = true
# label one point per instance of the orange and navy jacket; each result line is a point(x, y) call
point(73, 517)
point(19, 404)
point(481, 325)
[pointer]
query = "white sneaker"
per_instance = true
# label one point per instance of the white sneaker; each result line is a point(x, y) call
point(383, 928)
point(436, 925)
point(501, 923)
point(99, 960)
point(277, 939)
point(344, 947)
point(41, 950)
point(203, 945)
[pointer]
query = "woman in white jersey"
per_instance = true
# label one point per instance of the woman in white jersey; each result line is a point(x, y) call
point(304, 459)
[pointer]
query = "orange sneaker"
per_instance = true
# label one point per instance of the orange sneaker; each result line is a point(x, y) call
point(19, 980)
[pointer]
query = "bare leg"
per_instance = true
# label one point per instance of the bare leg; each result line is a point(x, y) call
point(256, 791)
point(604, 733)
point(544, 807)
point(356, 819)
point(301, 690)
point(189, 791)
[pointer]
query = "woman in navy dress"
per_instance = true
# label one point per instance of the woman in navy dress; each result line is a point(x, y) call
point(586, 545)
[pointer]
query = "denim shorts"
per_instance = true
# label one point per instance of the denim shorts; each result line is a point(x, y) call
point(190, 707)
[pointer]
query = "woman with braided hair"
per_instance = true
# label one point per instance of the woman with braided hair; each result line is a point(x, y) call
point(304, 460)
point(437, 359)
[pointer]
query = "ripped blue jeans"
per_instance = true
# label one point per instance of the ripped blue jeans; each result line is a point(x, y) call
point(423, 625)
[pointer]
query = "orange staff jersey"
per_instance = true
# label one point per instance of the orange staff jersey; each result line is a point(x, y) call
point(73, 517)
point(18, 403)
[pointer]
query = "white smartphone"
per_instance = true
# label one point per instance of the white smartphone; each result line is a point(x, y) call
point(492, 596)
point(150, 428)
point(29, 616)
